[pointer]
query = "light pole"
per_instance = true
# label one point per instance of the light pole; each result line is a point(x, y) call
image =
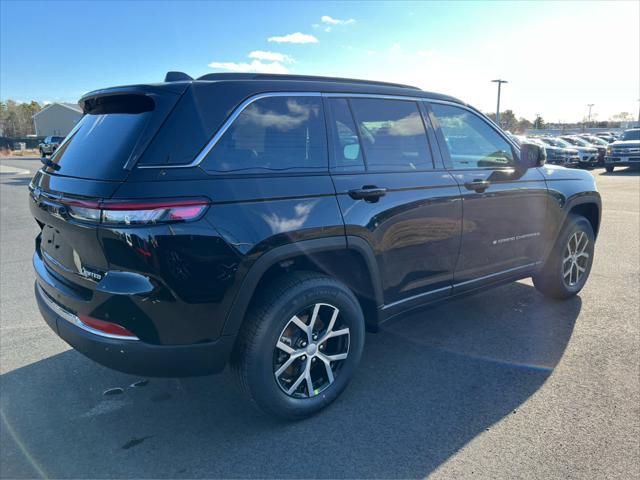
point(589, 117)
point(499, 82)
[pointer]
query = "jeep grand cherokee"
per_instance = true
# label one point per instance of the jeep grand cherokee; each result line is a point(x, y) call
point(266, 221)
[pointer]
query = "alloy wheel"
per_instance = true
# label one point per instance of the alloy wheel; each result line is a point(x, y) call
point(576, 258)
point(310, 351)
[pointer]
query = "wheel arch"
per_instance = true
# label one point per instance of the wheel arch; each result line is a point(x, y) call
point(349, 259)
point(588, 206)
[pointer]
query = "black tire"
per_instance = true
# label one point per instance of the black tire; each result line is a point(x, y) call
point(255, 357)
point(609, 168)
point(42, 154)
point(551, 280)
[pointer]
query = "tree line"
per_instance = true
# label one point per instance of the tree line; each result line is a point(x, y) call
point(509, 121)
point(16, 118)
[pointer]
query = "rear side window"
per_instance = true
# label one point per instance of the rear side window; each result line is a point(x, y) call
point(273, 134)
point(393, 135)
point(471, 142)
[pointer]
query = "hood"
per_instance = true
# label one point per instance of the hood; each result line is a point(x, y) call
point(625, 143)
point(584, 149)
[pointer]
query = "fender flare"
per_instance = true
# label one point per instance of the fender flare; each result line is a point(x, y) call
point(247, 289)
point(583, 198)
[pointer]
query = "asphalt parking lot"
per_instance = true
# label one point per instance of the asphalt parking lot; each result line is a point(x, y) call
point(505, 384)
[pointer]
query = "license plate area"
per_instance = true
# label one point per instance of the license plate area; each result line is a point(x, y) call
point(57, 248)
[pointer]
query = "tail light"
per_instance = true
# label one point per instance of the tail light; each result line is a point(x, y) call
point(136, 213)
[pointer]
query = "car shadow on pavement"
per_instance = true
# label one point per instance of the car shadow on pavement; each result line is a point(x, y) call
point(428, 384)
point(17, 181)
point(628, 172)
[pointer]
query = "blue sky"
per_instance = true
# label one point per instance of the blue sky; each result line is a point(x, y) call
point(557, 56)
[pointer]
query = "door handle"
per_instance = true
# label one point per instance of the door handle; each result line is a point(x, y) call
point(369, 193)
point(478, 185)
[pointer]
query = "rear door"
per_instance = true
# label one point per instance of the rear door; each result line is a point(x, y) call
point(504, 219)
point(396, 195)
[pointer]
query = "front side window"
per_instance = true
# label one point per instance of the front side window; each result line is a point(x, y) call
point(471, 141)
point(273, 134)
point(392, 133)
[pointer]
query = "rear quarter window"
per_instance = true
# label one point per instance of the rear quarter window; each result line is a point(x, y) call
point(273, 134)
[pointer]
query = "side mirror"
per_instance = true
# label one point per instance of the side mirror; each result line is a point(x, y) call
point(532, 155)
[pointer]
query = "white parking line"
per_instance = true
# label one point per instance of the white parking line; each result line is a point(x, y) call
point(7, 170)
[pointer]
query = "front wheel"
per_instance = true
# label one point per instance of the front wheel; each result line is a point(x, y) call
point(609, 168)
point(42, 154)
point(300, 344)
point(566, 270)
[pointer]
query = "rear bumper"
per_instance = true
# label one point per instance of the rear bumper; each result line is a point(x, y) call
point(135, 356)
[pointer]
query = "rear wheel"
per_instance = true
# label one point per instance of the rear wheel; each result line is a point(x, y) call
point(609, 168)
point(566, 270)
point(300, 345)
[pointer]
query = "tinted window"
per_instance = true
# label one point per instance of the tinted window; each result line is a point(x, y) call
point(471, 142)
point(271, 135)
point(631, 135)
point(99, 145)
point(346, 145)
point(392, 134)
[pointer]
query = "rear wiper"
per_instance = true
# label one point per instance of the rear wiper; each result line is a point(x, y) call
point(49, 163)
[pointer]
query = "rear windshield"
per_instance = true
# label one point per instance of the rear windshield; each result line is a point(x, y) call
point(100, 145)
point(113, 131)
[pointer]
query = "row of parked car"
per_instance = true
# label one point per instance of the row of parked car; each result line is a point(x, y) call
point(583, 150)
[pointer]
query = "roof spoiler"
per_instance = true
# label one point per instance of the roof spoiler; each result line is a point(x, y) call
point(177, 77)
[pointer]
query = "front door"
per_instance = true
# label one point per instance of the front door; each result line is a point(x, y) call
point(391, 194)
point(504, 206)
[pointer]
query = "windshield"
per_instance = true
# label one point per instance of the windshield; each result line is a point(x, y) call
point(631, 135)
point(597, 141)
point(556, 142)
point(576, 141)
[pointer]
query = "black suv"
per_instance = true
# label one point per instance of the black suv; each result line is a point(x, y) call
point(49, 145)
point(266, 221)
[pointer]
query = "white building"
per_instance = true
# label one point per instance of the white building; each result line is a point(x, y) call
point(57, 119)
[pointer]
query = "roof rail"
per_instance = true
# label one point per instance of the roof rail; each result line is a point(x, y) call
point(177, 77)
point(274, 76)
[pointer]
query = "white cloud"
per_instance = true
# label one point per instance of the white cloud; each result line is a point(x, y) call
point(256, 66)
point(336, 21)
point(395, 48)
point(294, 38)
point(270, 56)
